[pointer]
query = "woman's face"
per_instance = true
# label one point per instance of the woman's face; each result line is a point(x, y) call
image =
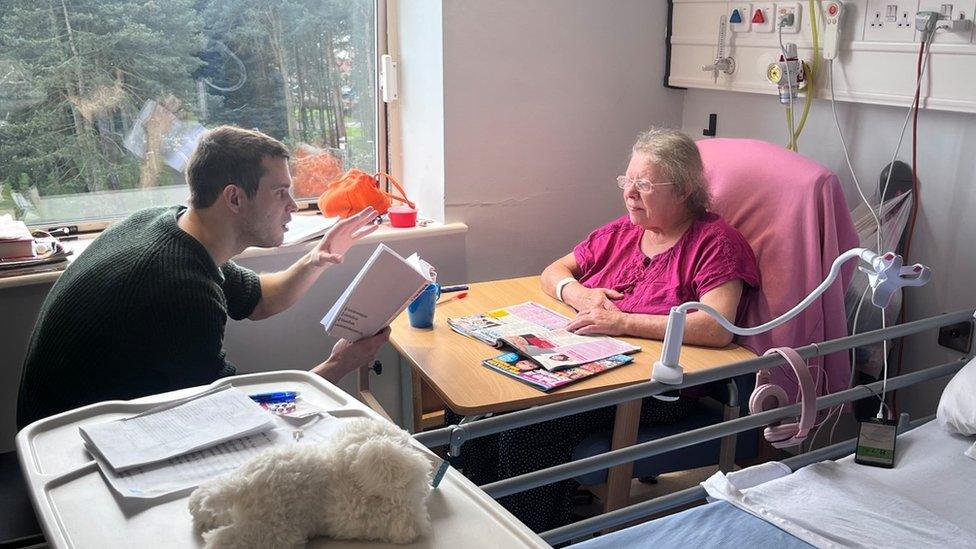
point(659, 209)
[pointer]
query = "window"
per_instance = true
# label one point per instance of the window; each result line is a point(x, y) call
point(101, 101)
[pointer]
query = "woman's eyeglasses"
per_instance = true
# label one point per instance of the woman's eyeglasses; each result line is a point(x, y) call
point(642, 185)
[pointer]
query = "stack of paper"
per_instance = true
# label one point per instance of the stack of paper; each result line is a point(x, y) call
point(175, 447)
point(16, 240)
point(176, 429)
point(383, 288)
point(183, 473)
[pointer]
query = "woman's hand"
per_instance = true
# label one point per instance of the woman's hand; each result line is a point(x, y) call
point(341, 237)
point(582, 298)
point(599, 321)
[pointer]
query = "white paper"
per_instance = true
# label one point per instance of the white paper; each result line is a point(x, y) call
point(11, 229)
point(184, 473)
point(306, 227)
point(384, 287)
point(175, 429)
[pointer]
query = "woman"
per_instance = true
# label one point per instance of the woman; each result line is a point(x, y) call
point(625, 277)
point(623, 280)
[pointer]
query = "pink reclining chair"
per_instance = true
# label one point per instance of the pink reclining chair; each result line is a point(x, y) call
point(793, 213)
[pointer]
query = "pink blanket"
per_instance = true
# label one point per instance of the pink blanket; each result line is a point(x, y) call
point(793, 213)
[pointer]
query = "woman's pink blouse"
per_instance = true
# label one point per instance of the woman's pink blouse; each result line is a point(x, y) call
point(709, 254)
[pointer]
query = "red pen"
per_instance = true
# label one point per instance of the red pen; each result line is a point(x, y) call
point(452, 298)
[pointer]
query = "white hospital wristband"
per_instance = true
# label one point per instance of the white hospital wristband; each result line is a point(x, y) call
point(562, 284)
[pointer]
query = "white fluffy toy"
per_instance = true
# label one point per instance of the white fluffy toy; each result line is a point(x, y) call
point(368, 482)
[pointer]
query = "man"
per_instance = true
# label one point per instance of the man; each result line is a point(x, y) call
point(143, 309)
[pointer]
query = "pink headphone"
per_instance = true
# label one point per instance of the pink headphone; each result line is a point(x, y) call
point(768, 396)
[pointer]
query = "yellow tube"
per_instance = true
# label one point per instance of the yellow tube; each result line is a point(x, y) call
point(811, 80)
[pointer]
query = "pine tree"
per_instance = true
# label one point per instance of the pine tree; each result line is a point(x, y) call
point(93, 63)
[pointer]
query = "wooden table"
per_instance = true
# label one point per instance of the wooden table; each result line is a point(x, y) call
point(450, 364)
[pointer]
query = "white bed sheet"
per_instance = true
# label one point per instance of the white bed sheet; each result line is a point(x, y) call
point(927, 499)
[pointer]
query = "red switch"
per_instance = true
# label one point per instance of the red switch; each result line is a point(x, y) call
point(832, 9)
point(758, 17)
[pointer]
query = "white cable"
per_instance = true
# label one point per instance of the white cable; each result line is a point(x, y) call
point(884, 191)
point(847, 155)
point(857, 314)
point(789, 81)
point(864, 198)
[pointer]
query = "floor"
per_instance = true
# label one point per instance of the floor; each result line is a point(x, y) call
point(641, 491)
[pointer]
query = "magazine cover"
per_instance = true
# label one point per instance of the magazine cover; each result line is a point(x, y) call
point(560, 349)
point(538, 333)
point(530, 373)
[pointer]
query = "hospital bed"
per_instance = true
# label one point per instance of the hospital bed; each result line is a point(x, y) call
point(76, 508)
point(932, 478)
point(932, 473)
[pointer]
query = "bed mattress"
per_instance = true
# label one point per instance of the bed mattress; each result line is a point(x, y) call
point(927, 499)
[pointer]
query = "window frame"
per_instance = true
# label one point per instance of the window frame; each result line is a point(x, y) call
point(382, 118)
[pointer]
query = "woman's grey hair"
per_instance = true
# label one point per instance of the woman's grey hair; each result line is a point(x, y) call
point(677, 158)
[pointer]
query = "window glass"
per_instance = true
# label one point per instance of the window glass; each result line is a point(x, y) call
point(101, 101)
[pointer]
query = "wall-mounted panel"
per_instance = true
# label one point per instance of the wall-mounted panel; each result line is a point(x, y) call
point(876, 63)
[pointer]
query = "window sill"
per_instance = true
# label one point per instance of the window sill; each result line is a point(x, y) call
point(385, 233)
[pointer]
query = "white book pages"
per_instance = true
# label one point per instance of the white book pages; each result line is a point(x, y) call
point(184, 473)
point(178, 428)
point(384, 287)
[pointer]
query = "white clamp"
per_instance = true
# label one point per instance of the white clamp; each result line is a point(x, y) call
point(887, 275)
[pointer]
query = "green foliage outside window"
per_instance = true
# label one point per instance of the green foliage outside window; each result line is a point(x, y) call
point(78, 77)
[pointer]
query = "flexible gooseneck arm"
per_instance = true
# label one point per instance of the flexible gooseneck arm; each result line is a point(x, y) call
point(886, 275)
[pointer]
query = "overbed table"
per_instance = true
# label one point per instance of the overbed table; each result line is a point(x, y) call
point(447, 366)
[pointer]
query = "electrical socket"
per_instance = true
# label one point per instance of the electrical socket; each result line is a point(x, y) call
point(787, 9)
point(958, 337)
point(890, 21)
point(959, 10)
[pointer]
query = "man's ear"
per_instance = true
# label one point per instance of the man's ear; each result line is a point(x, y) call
point(232, 196)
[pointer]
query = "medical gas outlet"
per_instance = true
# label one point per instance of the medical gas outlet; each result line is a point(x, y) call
point(721, 63)
point(788, 74)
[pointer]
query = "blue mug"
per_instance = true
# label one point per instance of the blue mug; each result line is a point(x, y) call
point(421, 309)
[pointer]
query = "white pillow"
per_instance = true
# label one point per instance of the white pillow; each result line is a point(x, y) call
point(957, 407)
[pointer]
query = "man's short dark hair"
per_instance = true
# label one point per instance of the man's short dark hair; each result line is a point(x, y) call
point(228, 155)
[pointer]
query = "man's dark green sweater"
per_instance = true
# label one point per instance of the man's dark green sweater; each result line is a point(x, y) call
point(141, 311)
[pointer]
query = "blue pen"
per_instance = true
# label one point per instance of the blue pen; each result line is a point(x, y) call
point(268, 398)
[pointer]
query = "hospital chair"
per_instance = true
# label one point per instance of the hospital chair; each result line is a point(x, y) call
point(749, 181)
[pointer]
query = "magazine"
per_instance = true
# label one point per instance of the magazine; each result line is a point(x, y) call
point(530, 373)
point(539, 334)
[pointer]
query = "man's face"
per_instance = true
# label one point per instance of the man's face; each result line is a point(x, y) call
point(265, 215)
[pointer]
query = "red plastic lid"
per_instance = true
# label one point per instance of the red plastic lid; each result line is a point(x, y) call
point(402, 216)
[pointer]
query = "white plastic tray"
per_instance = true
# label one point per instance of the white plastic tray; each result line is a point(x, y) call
point(77, 508)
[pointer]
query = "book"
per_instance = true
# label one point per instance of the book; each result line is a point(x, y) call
point(384, 287)
point(16, 240)
point(530, 373)
point(539, 334)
